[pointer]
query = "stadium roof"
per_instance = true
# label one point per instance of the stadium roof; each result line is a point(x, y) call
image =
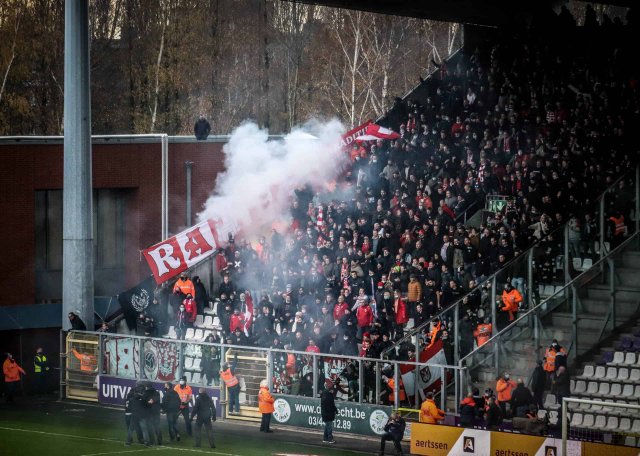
point(483, 12)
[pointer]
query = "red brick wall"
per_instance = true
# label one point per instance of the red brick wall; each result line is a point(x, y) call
point(135, 166)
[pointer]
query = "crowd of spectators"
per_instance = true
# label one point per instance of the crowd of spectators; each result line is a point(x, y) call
point(543, 126)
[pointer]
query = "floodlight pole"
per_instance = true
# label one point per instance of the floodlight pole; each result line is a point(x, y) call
point(77, 244)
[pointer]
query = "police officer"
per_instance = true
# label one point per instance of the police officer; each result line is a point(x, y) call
point(151, 398)
point(138, 415)
point(185, 394)
point(171, 408)
point(204, 411)
point(41, 369)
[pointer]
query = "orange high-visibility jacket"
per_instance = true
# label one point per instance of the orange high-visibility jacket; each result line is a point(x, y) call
point(265, 401)
point(12, 371)
point(430, 413)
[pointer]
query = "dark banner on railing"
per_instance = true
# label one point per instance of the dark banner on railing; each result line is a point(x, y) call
point(352, 417)
point(114, 390)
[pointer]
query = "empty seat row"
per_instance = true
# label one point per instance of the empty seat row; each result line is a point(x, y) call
point(580, 264)
point(605, 423)
point(604, 389)
point(192, 377)
point(628, 343)
point(611, 373)
point(622, 359)
point(192, 363)
point(207, 322)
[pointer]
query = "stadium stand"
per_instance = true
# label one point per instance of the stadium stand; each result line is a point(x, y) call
point(353, 274)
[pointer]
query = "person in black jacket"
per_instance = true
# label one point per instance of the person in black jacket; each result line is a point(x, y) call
point(76, 322)
point(328, 410)
point(202, 299)
point(139, 415)
point(171, 408)
point(202, 128)
point(151, 398)
point(493, 414)
point(521, 399)
point(204, 411)
point(394, 431)
point(538, 383)
point(128, 417)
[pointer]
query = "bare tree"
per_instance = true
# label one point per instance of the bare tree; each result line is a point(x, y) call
point(12, 54)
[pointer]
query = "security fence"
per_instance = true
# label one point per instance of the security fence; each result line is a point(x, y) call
point(396, 383)
point(80, 371)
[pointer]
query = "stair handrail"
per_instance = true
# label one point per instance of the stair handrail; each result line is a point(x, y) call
point(509, 264)
point(527, 313)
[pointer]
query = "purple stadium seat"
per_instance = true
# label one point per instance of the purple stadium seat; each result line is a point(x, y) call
point(607, 357)
point(636, 345)
point(624, 344)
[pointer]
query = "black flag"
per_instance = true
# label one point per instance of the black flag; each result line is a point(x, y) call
point(135, 300)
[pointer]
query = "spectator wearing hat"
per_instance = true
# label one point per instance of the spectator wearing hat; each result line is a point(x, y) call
point(265, 406)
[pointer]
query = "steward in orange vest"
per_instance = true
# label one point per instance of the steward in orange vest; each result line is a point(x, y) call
point(265, 405)
point(88, 362)
point(550, 356)
point(185, 286)
point(429, 411)
point(11, 371)
point(483, 332)
point(185, 394)
point(228, 376)
point(436, 327)
point(511, 298)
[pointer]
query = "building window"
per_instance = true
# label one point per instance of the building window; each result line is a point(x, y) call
point(108, 243)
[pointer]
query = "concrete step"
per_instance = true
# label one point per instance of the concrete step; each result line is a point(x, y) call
point(599, 308)
point(627, 276)
point(623, 293)
point(631, 258)
point(585, 321)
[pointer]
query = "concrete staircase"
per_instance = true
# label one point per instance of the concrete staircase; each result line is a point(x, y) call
point(251, 370)
point(519, 353)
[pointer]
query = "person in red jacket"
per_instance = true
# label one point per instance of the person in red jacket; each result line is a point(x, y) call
point(190, 308)
point(340, 308)
point(400, 311)
point(364, 315)
point(237, 320)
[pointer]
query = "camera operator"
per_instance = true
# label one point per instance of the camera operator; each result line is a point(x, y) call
point(394, 431)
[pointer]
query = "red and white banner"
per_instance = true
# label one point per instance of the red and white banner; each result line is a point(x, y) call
point(349, 137)
point(428, 377)
point(170, 257)
point(378, 132)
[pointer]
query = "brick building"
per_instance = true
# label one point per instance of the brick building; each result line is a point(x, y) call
point(127, 183)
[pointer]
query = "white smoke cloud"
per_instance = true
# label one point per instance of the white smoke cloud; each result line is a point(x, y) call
point(256, 188)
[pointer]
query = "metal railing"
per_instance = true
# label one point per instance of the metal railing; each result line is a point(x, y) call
point(496, 341)
point(531, 292)
point(139, 360)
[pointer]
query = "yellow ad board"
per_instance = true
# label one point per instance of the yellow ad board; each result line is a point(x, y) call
point(505, 444)
point(439, 440)
point(433, 440)
point(599, 449)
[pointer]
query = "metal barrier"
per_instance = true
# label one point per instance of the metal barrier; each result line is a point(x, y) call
point(290, 372)
point(494, 349)
point(81, 366)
